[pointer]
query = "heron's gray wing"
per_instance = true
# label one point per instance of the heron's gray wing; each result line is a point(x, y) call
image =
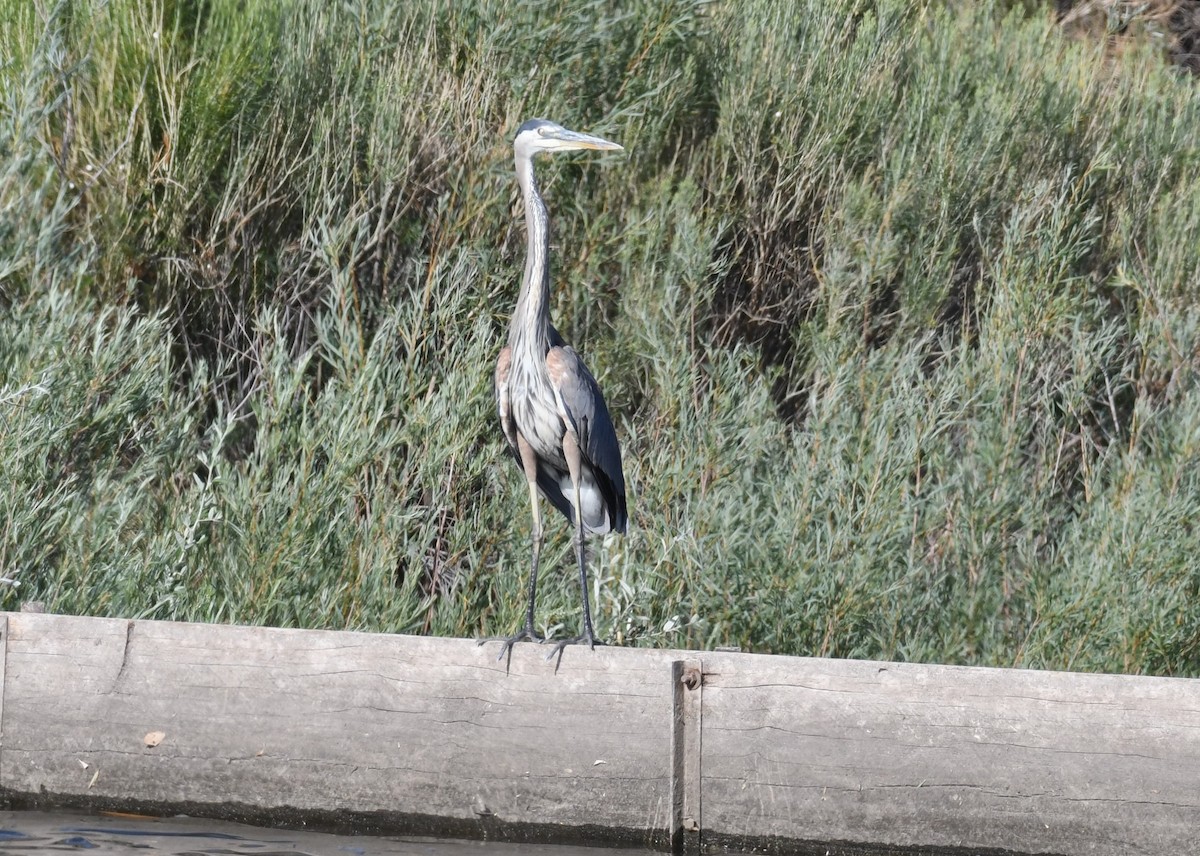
point(583, 406)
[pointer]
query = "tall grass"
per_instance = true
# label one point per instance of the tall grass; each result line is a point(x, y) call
point(895, 306)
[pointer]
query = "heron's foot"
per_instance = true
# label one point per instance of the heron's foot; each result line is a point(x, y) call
point(587, 637)
point(526, 634)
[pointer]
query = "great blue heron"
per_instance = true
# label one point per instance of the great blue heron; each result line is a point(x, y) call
point(551, 409)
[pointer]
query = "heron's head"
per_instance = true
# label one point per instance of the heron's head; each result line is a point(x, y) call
point(541, 135)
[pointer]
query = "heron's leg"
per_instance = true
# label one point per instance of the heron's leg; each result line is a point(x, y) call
point(529, 464)
point(537, 537)
point(571, 448)
point(589, 632)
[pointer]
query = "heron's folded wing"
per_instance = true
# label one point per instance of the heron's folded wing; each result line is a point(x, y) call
point(582, 405)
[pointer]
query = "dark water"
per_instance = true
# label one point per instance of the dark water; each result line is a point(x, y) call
point(103, 835)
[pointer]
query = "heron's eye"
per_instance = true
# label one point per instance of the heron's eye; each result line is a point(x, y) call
point(541, 132)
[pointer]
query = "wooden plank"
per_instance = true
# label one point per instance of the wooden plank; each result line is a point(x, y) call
point(909, 755)
point(429, 734)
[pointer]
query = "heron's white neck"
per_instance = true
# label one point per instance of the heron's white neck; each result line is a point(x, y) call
point(531, 321)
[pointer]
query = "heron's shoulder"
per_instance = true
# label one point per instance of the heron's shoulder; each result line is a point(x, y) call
point(561, 358)
point(564, 365)
point(503, 363)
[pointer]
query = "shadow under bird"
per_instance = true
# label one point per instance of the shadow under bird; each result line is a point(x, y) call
point(551, 409)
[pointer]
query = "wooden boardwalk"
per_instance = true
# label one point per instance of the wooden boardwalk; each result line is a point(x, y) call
point(669, 749)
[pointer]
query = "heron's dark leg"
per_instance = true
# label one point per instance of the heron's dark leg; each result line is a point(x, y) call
point(537, 537)
point(571, 448)
point(529, 462)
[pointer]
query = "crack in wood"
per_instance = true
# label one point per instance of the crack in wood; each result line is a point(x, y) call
point(124, 657)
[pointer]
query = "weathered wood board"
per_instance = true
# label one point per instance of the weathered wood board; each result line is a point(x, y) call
point(328, 721)
point(963, 758)
point(421, 734)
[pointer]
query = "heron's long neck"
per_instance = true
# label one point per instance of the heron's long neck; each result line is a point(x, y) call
point(531, 321)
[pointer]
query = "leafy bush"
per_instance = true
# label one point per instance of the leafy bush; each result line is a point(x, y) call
point(895, 306)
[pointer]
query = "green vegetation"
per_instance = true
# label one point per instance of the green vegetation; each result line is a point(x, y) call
point(896, 305)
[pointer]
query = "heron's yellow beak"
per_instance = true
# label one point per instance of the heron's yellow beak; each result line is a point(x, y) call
point(565, 140)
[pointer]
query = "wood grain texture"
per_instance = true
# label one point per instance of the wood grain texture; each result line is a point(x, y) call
point(899, 754)
point(329, 721)
point(793, 752)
